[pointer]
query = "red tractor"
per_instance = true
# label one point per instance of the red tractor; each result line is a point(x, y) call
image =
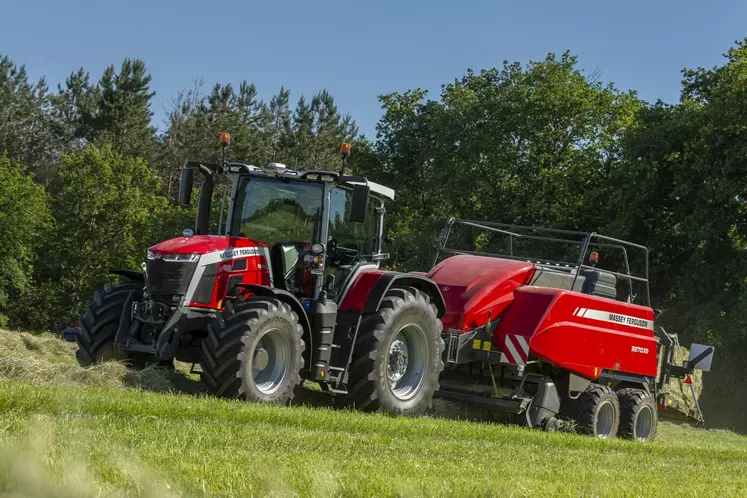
point(292, 290)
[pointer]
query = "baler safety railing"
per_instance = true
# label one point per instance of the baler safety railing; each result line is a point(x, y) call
point(583, 239)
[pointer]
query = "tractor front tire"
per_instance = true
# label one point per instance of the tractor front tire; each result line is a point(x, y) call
point(253, 350)
point(99, 325)
point(597, 412)
point(638, 415)
point(397, 356)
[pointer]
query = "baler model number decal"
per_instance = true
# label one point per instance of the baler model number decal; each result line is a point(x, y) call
point(638, 349)
point(606, 316)
point(237, 253)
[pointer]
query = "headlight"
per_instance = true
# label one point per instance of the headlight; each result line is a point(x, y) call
point(317, 248)
point(184, 258)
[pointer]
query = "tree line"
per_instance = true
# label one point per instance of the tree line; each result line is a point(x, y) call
point(87, 183)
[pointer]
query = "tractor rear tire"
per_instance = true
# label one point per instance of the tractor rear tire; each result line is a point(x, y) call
point(253, 350)
point(397, 356)
point(597, 412)
point(638, 415)
point(99, 325)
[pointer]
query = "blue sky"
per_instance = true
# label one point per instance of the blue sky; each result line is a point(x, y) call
point(359, 50)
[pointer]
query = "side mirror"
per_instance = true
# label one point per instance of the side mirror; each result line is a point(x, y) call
point(359, 203)
point(186, 182)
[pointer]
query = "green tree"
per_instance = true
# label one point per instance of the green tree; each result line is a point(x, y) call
point(25, 134)
point(24, 223)
point(685, 198)
point(116, 110)
point(106, 211)
point(520, 145)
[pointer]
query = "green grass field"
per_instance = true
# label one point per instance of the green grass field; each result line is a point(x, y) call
point(105, 431)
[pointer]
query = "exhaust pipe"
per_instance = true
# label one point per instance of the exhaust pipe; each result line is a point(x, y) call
point(206, 199)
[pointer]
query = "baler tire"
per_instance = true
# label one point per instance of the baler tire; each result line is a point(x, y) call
point(633, 404)
point(589, 406)
point(552, 424)
point(406, 312)
point(231, 348)
point(99, 325)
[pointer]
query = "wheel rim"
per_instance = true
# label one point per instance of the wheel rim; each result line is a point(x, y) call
point(270, 361)
point(644, 423)
point(407, 361)
point(605, 420)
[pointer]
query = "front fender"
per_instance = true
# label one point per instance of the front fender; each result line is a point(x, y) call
point(135, 276)
point(296, 306)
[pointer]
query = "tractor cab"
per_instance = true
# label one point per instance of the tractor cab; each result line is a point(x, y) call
point(313, 228)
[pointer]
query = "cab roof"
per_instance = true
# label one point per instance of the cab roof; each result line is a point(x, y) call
point(330, 176)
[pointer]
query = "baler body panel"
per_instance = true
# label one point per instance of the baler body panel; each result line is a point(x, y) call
point(472, 286)
point(579, 332)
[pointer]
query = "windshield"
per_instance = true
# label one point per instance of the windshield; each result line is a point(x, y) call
point(272, 211)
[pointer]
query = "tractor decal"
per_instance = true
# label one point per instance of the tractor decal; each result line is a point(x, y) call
point(231, 253)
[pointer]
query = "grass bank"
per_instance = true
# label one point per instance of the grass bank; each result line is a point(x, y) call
point(122, 435)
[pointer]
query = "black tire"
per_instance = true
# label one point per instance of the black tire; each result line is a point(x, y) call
point(408, 312)
point(99, 325)
point(638, 415)
point(232, 349)
point(597, 412)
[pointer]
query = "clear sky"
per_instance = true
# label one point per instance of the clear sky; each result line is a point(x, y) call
point(359, 50)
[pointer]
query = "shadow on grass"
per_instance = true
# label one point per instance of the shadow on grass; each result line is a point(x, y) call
point(183, 379)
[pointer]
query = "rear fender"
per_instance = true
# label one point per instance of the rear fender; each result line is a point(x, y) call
point(369, 290)
point(296, 306)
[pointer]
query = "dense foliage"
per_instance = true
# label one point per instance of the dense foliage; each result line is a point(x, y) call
point(87, 183)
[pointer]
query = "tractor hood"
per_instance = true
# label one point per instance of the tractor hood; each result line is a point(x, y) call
point(231, 247)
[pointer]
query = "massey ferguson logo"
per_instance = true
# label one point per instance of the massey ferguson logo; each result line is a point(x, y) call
point(629, 320)
point(236, 253)
point(638, 349)
point(157, 255)
point(617, 318)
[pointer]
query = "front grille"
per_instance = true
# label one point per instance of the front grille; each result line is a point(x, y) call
point(168, 278)
point(204, 291)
